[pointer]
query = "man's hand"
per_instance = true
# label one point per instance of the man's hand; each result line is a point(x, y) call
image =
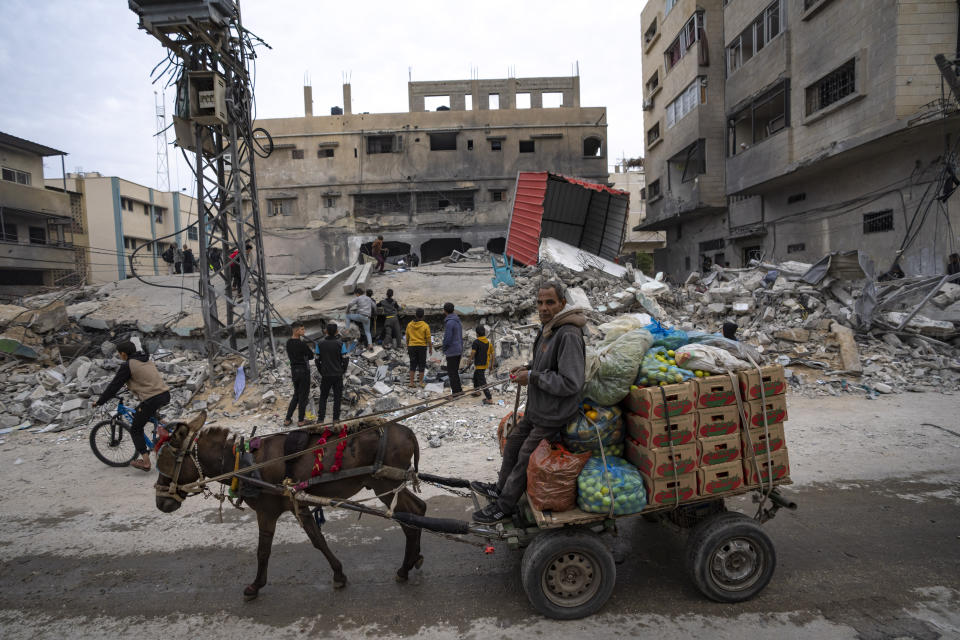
point(521, 377)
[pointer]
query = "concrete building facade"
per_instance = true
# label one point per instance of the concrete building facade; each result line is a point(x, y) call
point(829, 147)
point(631, 178)
point(119, 216)
point(37, 225)
point(429, 181)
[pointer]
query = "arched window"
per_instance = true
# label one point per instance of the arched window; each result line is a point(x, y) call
point(592, 147)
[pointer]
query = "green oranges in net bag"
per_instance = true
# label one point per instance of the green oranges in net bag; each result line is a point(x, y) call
point(617, 487)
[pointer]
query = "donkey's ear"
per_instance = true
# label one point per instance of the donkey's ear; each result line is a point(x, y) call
point(198, 420)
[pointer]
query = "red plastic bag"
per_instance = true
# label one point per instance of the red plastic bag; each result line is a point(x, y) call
point(552, 477)
point(506, 424)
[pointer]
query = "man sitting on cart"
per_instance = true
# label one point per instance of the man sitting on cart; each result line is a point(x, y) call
point(554, 378)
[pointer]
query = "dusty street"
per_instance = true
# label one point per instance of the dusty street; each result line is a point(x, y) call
point(872, 552)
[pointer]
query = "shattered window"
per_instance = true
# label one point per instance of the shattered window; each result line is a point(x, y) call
point(384, 144)
point(445, 201)
point(592, 147)
point(380, 203)
point(767, 114)
point(878, 222)
point(691, 33)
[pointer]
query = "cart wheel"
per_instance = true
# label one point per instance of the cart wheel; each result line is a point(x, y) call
point(567, 574)
point(730, 558)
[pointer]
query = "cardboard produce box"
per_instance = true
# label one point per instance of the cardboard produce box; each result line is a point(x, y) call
point(722, 421)
point(719, 479)
point(715, 391)
point(655, 433)
point(779, 462)
point(662, 462)
point(647, 402)
point(661, 491)
point(776, 411)
point(774, 382)
point(773, 437)
point(719, 450)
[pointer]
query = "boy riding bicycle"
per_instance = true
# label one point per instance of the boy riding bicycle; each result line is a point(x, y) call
point(143, 379)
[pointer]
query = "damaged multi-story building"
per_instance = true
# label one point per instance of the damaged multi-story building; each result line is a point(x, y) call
point(430, 181)
point(788, 129)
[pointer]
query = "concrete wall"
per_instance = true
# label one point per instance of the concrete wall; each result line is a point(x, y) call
point(322, 193)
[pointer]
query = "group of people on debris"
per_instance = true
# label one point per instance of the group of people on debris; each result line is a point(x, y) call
point(183, 261)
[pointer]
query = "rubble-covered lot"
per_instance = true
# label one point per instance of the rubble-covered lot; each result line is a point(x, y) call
point(833, 328)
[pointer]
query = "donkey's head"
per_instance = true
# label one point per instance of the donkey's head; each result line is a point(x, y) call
point(177, 463)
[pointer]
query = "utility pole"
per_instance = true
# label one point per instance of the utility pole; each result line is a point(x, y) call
point(213, 119)
point(163, 158)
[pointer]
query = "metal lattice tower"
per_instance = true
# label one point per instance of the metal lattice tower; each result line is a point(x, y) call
point(208, 59)
point(163, 159)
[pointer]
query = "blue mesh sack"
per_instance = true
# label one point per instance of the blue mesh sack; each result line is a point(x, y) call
point(579, 436)
point(618, 487)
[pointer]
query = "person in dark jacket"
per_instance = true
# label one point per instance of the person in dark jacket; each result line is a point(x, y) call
point(144, 381)
point(177, 258)
point(554, 378)
point(332, 364)
point(452, 346)
point(299, 354)
point(481, 356)
point(391, 321)
point(188, 261)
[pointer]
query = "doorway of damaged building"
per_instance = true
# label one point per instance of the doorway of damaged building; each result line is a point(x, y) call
point(395, 250)
point(586, 215)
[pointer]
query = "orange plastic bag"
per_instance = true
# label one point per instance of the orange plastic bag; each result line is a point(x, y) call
point(552, 477)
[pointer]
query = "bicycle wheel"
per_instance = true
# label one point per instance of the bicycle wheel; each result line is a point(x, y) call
point(112, 443)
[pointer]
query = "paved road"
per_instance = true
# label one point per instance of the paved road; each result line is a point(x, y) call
point(868, 560)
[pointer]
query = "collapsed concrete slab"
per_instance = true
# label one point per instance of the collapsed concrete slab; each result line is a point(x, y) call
point(320, 291)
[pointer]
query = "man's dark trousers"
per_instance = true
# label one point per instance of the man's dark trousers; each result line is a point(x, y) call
point(453, 370)
point(301, 391)
point(516, 453)
point(326, 384)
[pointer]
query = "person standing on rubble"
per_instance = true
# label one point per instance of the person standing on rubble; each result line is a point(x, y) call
point(299, 354)
point(554, 378)
point(391, 322)
point(188, 260)
point(418, 344)
point(361, 309)
point(376, 250)
point(452, 346)
point(177, 258)
point(481, 353)
point(332, 364)
point(144, 381)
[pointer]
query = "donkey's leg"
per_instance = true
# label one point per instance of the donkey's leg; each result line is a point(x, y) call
point(267, 522)
point(316, 537)
point(409, 503)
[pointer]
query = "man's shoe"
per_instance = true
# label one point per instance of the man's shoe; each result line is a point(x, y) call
point(490, 514)
point(486, 489)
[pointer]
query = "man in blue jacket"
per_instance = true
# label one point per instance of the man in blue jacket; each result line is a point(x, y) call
point(452, 346)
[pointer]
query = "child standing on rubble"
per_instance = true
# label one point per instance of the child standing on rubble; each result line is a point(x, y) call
point(418, 345)
point(481, 353)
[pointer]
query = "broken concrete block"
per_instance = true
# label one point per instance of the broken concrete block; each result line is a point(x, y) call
point(849, 352)
point(42, 411)
point(74, 367)
point(434, 387)
point(717, 308)
point(576, 298)
point(373, 353)
point(72, 405)
point(10, 313)
point(46, 319)
point(792, 335)
point(382, 388)
point(922, 324)
point(195, 381)
point(743, 306)
point(97, 324)
point(320, 291)
point(883, 387)
point(50, 378)
point(386, 403)
point(948, 294)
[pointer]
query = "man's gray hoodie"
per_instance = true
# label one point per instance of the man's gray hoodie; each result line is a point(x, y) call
point(557, 370)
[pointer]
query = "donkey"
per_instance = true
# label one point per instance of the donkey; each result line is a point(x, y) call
point(212, 448)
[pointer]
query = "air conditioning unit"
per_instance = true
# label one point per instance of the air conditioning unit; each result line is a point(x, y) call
point(647, 105)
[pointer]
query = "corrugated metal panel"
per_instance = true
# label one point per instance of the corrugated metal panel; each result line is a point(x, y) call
point(523, 240)
point(583, 214)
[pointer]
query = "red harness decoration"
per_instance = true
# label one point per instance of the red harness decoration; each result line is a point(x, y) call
point(162, 440)
point(337, 456)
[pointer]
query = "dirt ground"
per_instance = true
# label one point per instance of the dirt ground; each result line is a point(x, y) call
point(85, 552)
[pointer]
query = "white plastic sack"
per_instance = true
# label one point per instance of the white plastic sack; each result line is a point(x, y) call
point(623, 324)
point(616, 367)
point(708, 358)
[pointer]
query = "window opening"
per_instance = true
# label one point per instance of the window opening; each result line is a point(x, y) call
point(796, 248)
point(468, 102)
point(797, 197)
point(653, 189)
point(281, 207)
point(763, 117)
point(592, 147)
point(469, 145)
point(495, 145)
point(445, 201)
point(650, 33)
point(653, 82)
point(497, 195)
point(691, 32)
point(383, 144)
point(523, 101)
point(38, 235)
point(552, 99)
point(527, 146)
point(878, 222)
point(325, 153)
point(446, 141)
point(831, 88)
point(433, 103)
point(16, 175)
point(764, 28)
point(9, 232)
point(493, 101)
point(380, 203)
point(686, 102)
point(653, 134)
point(296, 154)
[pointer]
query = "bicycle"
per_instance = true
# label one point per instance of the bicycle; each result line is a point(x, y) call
point(112, 441)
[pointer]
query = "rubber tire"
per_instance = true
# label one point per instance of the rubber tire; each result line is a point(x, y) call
point(541, 553)
point(712, 534)
point(109, 461)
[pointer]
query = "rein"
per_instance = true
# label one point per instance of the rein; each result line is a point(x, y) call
point(189, 449)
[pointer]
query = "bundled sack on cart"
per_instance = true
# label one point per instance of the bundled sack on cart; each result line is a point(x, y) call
point(705, 357)
point(617, 487)
point(659, 367)
point(552, 477)
point(593, 426)
point(612, 368)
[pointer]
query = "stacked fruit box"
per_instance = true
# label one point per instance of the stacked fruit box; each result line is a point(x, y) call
point(764, 446)
point(662, 442)
point(689, 440)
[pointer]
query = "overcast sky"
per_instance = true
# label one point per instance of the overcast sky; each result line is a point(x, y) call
point(76, 75)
